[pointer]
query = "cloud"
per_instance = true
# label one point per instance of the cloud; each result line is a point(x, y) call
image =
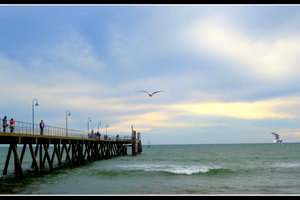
point(68, 64)
point(265, 58)
point(156, 120)
point(289, 132)
point(278, 108)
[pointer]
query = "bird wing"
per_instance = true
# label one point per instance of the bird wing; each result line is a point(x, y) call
point(144, 91)
point(155, 92)
point(276, 135)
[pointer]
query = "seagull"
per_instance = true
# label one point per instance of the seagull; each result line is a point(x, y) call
point(277, 138)
point(151, 94)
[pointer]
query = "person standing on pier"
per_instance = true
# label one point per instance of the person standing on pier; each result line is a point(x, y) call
point(42, 126)
point(98, 135)
point(4, 123)
point(12, 125)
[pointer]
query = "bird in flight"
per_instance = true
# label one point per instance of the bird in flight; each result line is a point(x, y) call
point(151, 94)
point(277, 138)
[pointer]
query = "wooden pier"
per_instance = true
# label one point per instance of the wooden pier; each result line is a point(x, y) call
point(57, 151)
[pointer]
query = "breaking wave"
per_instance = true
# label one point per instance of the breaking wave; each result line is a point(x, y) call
point(175, 169)
point(287, 165)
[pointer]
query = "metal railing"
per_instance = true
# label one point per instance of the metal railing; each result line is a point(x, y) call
point(29, 129)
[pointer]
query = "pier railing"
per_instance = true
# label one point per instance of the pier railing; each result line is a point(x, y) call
point(29, 129)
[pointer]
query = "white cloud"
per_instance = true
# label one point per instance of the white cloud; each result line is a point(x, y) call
point(76, 52)
point(265, 58)
point(275, 108)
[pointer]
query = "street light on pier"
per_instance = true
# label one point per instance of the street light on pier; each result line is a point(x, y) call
point(34, 103)
point(88, 124)
point(67, 114)
point(106, 128)
point(99, 123)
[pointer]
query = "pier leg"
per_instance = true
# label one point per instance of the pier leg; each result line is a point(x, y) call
point(87, 150)
point(99, 151)
point(53, 154)
point(85, 154)
point(47, 156)
point(133, 142)
point(44, 156)
point(73, 158)
point(101, 154)
point(41, 157)
point(68, 159)
point(34, 163)
point(61, 151)
point(57, 152)
point(7, 159)
point(35, 154)
point(94, 149)
point(91, 151)
point(23, 152)
point(80, 154)
point(18, 167)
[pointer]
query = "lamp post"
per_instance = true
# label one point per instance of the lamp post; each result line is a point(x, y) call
point(88, 124)
point(67, 114)
point(99, 123)
point(34, 103)
point(106, 128)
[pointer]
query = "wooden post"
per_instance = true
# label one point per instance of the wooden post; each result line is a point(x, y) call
point(35, 153)
point(18, 167)
point(23, 152)
point(41, 156)
point(34, 162)
point(7, 159)
point(47, 156)
point(133, 141)
point(86, 153)
point(68, 159)
point(101, 149)
point(139, 143)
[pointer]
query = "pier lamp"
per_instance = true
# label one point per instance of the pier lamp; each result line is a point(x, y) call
point(67, 114)
point(34, 103)
point(88, 124)
point(99, 123)
point(106, 128)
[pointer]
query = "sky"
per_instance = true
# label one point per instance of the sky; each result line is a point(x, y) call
point(229, 73)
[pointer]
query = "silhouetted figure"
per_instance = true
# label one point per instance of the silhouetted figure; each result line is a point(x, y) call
point(4, 123)
point(12, 125)
point(42, 126)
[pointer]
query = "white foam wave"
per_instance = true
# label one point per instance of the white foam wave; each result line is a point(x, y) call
point(287, 165)
point(187, 170)
point(171, 168)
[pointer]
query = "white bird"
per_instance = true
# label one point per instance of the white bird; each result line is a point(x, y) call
point(151, 94)
point(278, 140)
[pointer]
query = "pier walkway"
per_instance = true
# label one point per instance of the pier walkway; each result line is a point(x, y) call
point(61, 147)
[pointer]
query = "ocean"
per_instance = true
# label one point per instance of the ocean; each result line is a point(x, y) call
point(204, 169)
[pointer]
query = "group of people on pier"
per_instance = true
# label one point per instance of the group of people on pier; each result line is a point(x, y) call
point(5, 124)
point(11, 125)
point(97, 135)
point(93, 135)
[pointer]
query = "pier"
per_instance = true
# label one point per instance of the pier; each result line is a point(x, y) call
point(60, 147)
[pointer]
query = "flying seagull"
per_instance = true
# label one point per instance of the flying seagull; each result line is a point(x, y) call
point(277, 138)
point(151, 94)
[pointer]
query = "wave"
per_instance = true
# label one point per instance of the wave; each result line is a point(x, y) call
point(175, 169)
point(287, 165)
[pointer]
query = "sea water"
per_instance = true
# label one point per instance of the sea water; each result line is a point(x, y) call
point(171, 169)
